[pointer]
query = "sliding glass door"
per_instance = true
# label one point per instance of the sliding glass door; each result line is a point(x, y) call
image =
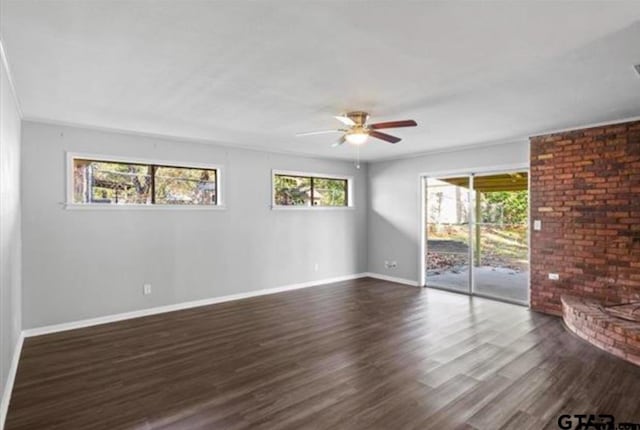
point(501, 251)
point(448, 227)
point(476, 230)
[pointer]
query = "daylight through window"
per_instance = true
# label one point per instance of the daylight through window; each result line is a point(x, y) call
point(122, 183)
point(301, 190)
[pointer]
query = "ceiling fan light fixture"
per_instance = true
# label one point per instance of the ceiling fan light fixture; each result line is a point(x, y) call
point(357, 138)
point(357, 131)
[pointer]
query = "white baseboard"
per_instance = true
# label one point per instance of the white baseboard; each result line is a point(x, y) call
point(393, 279)
point(11, 377)
point(184, 305)
point(6, 395)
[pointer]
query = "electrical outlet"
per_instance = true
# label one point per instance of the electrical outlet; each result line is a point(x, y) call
point(316, 267)
point(146, 289)
point(393, 264)
point(554, 276)
point(537, 224)
point(390, 264)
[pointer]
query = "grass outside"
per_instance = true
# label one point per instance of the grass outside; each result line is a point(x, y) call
point(500, 246)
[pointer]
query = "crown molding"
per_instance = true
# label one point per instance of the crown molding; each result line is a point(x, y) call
point(587, 126)
point(458, 148)
point(5, 63)
point(518, 140)
point(175, 138)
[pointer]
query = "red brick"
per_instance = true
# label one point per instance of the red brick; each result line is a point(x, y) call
point(587, 319)
point(585, 187)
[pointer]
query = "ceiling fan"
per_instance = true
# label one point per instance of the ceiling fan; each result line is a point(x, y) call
point(358, 131)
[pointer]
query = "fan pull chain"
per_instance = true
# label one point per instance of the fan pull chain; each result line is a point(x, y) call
point(357, 157)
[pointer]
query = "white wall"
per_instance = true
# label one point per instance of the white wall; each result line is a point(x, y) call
point(82, 264)
point(10, 243)
point(394, 214)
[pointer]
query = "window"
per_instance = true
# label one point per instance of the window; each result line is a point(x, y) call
point(305, 190)
point(107, 182)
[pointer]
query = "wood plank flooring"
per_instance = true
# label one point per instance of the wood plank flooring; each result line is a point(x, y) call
point(364, 354)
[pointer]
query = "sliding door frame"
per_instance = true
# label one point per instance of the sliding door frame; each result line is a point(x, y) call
point(471, 173)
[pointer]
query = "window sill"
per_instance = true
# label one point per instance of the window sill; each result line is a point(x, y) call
point(111, 207)
point(311, 208)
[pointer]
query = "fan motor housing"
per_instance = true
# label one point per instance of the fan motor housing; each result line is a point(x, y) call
point(359, 117)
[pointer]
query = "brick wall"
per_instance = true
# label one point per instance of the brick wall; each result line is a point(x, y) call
point(588, 320)
point(585, 187)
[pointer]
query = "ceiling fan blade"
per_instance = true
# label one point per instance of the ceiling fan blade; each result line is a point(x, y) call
point(345, 120)
point(311, 133)
point(384, 136)
point(340, 142)
point(393, 124)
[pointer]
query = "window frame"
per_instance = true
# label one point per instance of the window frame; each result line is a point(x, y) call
point(72, 156)
point(349, 179)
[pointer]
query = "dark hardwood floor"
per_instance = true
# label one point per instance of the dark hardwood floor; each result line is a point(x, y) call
point(363, 354)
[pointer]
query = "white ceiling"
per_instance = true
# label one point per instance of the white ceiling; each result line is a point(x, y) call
point(255, 73)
